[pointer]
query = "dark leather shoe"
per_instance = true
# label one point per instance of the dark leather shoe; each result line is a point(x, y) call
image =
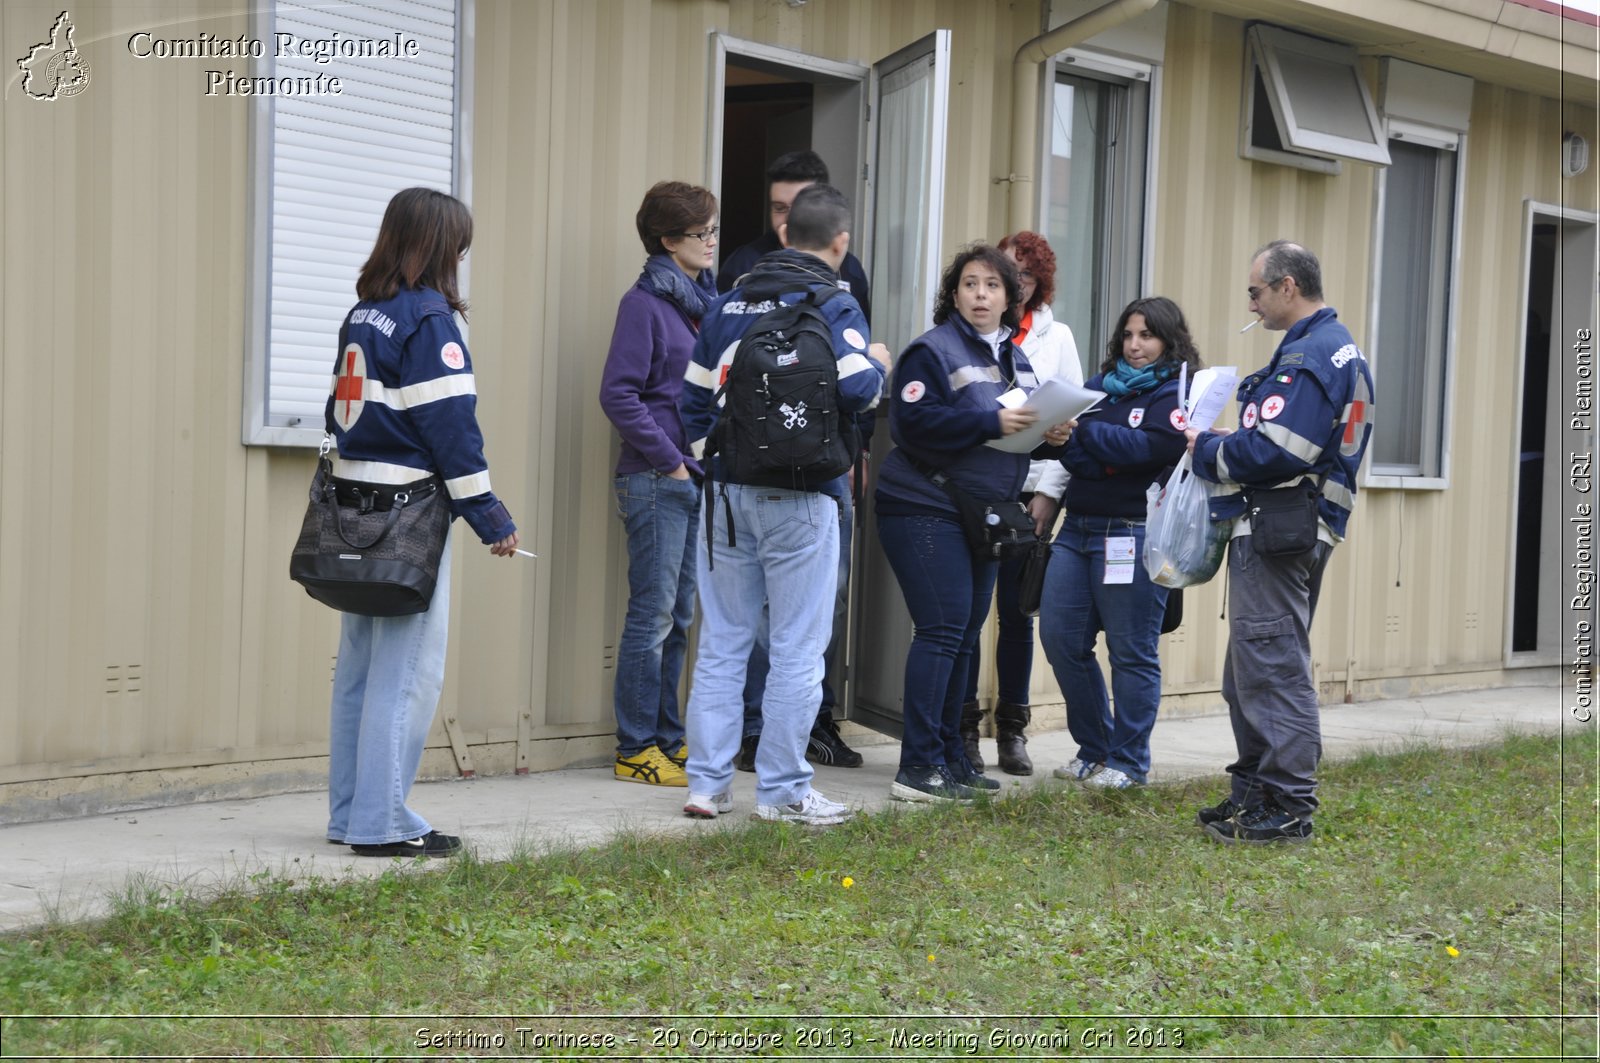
point(971, 717)
point(1010, 721)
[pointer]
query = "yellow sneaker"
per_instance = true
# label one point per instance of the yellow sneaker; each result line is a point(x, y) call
point(680, 756)
point(651, 766)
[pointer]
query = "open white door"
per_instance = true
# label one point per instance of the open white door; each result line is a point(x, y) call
point(910, 94)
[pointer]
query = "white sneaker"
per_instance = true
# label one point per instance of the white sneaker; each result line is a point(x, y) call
point(1078, 770)
point(1110, 779)
point(708, 806)
point(813, 810)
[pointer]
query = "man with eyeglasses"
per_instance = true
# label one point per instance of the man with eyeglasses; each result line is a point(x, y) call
point(1304, 424)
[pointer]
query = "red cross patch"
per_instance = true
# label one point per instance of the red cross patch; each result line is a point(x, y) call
point(453, 356)
point(1178, 420)
point(1136, 417)
point(1248, 418)
point(348, 389)
point(1271, 406)
point(913, 391)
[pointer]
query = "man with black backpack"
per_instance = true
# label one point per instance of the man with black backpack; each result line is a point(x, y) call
point(781, 363)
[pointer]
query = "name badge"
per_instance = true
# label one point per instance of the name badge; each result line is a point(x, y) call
point(1119, 559)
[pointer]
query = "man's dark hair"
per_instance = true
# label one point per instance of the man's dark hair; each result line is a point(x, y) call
point(818, 215)
point(944, 304)
point(1288, 259)
point(797, 166)
point(424, 234)
point(672, 208)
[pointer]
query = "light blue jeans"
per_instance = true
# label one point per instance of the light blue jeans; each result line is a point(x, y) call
point(659, 513)
point(786, 555)
point(385, 691)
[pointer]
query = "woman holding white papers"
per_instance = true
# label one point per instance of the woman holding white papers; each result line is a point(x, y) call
point(1096, 581)
point(1053, 352)
point(956, 387)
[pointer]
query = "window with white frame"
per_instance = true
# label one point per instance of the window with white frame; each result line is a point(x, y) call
point(1094, 196)
point(1414, 273)
point(1306, 103)
point(326, 166)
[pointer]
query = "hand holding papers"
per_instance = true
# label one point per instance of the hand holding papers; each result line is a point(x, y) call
point(1207, 396)
point(1056, 400)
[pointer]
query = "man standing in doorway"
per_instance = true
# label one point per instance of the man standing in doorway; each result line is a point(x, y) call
point(771, 547)
point(787, 176)
point(1287, 481)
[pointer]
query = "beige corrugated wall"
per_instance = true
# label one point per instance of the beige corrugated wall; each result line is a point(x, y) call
point(1417, 596)
point(145, 618)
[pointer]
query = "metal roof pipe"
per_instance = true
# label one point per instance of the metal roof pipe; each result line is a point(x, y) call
point(1024, 199)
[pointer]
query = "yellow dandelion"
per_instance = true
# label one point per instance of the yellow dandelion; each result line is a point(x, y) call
point(847, 882)
point(931, 957)
point(1452, 950)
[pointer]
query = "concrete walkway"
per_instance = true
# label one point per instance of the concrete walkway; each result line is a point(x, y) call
point(72, 869)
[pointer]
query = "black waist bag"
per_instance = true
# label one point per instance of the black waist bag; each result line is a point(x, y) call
point(1283, 520)
point(995, 530)
point(369, 549)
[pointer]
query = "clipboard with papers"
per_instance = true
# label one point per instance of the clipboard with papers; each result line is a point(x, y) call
point(1057, 399)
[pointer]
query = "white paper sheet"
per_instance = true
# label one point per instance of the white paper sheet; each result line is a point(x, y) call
point(1057, 399)
point(1209, 394)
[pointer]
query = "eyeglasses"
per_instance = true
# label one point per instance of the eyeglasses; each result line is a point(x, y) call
point(1255, 292)
point(705, 236)
point(1024, 276)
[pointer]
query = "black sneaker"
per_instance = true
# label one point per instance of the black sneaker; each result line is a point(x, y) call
point(1224, 809)
point(430, 844)
point(1261, 826)
point(930, 784)
point(746, 758)
point(965, 774)
point(826, 747)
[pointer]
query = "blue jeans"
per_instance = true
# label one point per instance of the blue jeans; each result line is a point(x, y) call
point(1013, 649)
point(755, 680)
point(1078, 605)
point(660, 515)
point(784, 559)
point(947, 592)
point(385, 690)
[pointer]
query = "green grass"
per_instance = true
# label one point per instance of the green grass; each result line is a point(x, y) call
point(1426, 919)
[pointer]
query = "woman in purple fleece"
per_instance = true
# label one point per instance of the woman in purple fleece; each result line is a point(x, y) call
point(658, 496)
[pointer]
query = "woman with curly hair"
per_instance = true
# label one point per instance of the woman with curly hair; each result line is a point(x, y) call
point(1051, 350)
point(945, 404)
point(1096, 581)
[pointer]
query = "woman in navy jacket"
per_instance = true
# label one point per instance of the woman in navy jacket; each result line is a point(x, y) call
point(1096, 580)
point(945, 404)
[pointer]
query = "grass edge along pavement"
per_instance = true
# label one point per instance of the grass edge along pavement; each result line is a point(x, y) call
point(1433, 914)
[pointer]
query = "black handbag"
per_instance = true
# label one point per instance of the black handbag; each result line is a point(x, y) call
point(1283, 520)
point(1172, 616)
point(370, 549)
point(1030, 581)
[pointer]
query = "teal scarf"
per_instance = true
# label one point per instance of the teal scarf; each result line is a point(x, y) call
point(1125, 380)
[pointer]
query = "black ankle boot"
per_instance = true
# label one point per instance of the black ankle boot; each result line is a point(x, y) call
point(971, 716)
point(1009, 723)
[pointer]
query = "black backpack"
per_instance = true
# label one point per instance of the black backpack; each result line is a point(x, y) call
point(780, 423)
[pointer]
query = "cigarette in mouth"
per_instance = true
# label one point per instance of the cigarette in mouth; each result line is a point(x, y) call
point(1250, 326)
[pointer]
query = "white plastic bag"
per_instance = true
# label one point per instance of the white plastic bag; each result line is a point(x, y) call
point(1182, 547)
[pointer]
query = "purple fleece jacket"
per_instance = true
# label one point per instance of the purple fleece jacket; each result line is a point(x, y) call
point(642, 380)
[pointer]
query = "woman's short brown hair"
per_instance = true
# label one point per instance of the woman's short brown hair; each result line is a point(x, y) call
point(671, 208)
point(1033, 252)
point(944, 304)
point(424, 234)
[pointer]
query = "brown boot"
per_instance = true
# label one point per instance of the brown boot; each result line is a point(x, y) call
point(1009, 723)
point(971, 716)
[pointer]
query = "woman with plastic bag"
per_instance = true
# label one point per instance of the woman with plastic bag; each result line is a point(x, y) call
point(1096, 580)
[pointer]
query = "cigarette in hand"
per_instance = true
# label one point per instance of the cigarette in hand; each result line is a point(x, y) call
point(525, 553)
point(1250, 326)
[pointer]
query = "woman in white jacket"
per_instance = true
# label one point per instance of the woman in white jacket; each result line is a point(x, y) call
point(1050, 348)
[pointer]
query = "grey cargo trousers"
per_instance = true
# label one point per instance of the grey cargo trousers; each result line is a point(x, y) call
point(1266, 676)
